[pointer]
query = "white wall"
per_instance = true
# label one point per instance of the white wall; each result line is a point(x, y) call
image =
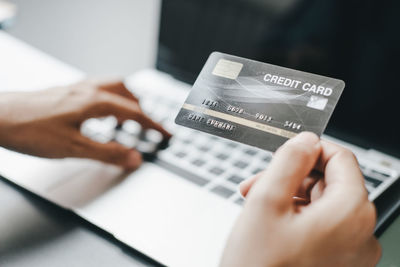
point(114, 37)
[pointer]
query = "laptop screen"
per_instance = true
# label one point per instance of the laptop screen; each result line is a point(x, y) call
point(355, 41)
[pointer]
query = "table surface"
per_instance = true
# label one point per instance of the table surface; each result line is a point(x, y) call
point(34, 232)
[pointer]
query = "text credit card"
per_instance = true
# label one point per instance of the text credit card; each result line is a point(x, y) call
point(256, 103)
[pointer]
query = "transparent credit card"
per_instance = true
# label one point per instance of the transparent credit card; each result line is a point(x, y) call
point(256, 103)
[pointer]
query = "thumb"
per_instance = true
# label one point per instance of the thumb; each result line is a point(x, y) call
point(111, 152)
point(292, 163)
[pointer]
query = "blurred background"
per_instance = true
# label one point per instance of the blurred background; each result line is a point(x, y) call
point(351, 40)
point(96, 36)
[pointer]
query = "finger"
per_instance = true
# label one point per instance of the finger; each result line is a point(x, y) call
point(341, 166)
point(303, 193)
point(148, 123)
point(246, 185)
point(330, 149)
point(369, 254)
point(112, 85)
point(125, 109)
point(111, 152)
point(292, 163)
point(317, 190)
point(308, 184)
point(343, 188)
point(119, 88)
point(376, 251)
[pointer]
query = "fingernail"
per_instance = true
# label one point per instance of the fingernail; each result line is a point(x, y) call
point(168, 134)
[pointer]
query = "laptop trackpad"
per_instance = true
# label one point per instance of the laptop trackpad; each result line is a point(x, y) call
point(155, 212)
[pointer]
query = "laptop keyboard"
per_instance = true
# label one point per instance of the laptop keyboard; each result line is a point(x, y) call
point(210, 162)
point(220, 163)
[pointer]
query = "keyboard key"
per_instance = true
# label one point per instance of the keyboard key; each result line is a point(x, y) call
point(90, 127)
point(222, 156)
point(236, 179)
point(181, 154)
point(232, 145)
point(146, 147)
point(183, 173)
point(126, 139)
point(198, 162)
point(241, 164)
point(255, 171)
point(187, 141)
point(380, 174)
point(267, 158)
point(152, 136)
point(102, 138)
point(222, 191)
point(174, 140)
point(239, 201)
point(217, 170)
point(204, 148)
point(132, 127)
point(250, 152)
point(374, 182)
point(108, 123)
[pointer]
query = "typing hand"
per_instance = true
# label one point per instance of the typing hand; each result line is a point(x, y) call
point(334, 229)
point(47, 123)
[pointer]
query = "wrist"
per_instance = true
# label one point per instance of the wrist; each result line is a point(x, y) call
point(7, 101)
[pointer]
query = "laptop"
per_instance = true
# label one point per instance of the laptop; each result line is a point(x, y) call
point(179, 208)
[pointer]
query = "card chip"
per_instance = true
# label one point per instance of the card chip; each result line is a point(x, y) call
point(227, 69)
point(317, 102)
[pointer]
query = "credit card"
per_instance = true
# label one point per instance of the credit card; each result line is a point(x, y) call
point(256, 103)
